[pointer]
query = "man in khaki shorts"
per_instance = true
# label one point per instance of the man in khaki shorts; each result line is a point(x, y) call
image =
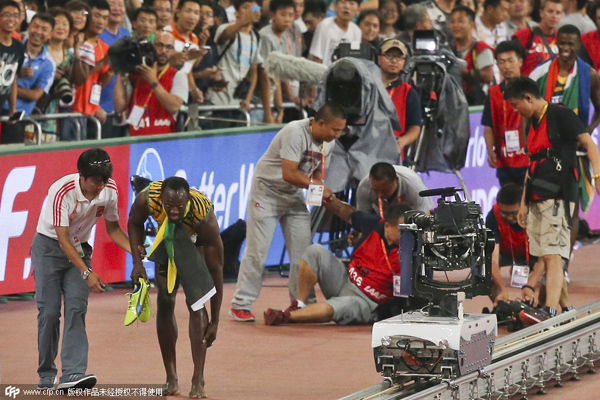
point(551, 134)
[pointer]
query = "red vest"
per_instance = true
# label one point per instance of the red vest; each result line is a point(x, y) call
point(156, 118)
point(399, 94)
point(591, 41)
point(371, 269)
point(513, 244)
point(504, 118)
point(535, 49)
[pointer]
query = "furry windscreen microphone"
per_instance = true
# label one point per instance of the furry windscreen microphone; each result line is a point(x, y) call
point(290, 68)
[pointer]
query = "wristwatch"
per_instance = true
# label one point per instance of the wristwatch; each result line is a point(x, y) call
point(85, 274)
point(153, 85)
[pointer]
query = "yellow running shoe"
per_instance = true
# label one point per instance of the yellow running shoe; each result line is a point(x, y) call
point(136, 301)
point(146, 308)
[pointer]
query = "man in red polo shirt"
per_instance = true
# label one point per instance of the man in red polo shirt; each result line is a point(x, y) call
point(158, 92)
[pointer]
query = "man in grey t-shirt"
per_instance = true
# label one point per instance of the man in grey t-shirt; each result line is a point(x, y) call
point(293, 161)
point(389, 184)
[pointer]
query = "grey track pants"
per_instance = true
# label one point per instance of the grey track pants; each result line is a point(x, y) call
point(264, 212)
point(56, 277)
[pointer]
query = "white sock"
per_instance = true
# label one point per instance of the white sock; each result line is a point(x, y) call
point(300, 303)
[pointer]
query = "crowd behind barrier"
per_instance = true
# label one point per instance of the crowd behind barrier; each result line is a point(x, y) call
point(214, 54)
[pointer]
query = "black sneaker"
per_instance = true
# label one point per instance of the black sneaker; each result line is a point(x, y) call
point(77, 381)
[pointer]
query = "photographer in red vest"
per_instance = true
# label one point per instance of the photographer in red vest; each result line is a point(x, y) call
point(406, 100)
point(511, 247)
point(502, 123)
point(157, 92)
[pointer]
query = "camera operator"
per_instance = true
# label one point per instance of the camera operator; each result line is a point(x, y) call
point(389, 184)
point(547, 205)
point(392, 59)
point(157, 93)
point(353, 292)
point(415, 18)
point(36, 76)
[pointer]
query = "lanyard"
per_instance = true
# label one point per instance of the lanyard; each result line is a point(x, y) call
point(543, 113)
point(381, 205)
point(312, 160)
point(145, 104)
point(385, 254)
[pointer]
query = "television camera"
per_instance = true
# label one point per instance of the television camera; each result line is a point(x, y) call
point(129, 52)
point(445, 258)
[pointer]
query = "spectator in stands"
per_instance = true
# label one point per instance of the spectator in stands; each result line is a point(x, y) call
point(439, 14)
point(21, 23)
point(187, 44)
point(164, 10)
point(237, 44)
point(12, 56)
point(415, 18)
point(293, 45)
point(575, 14)
point(113, 126)
point(299, 24)
point(490, 26)
point(553, 136)
point(91, 69)
point(63, 58)
point(478, 54)
point(206, 72)
point(519, 17)
point(406, 100)
point(295, 160)
point(390, 11)
point(511, 247)
point(80, 12)
point(314, 13)
point(539, 43)
point(334, 30)
point(157, 92)
point(273, 38)
point(144, 22)
point(353, 292)
point(556, 79)
point(389, 184)
point(36, 76)
point(369, 22)
point(503, 132)
point(590, 51)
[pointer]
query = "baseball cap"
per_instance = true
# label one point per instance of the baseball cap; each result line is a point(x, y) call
point(393, 44)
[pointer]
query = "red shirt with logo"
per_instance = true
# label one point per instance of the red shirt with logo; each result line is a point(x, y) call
point(156, 118)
